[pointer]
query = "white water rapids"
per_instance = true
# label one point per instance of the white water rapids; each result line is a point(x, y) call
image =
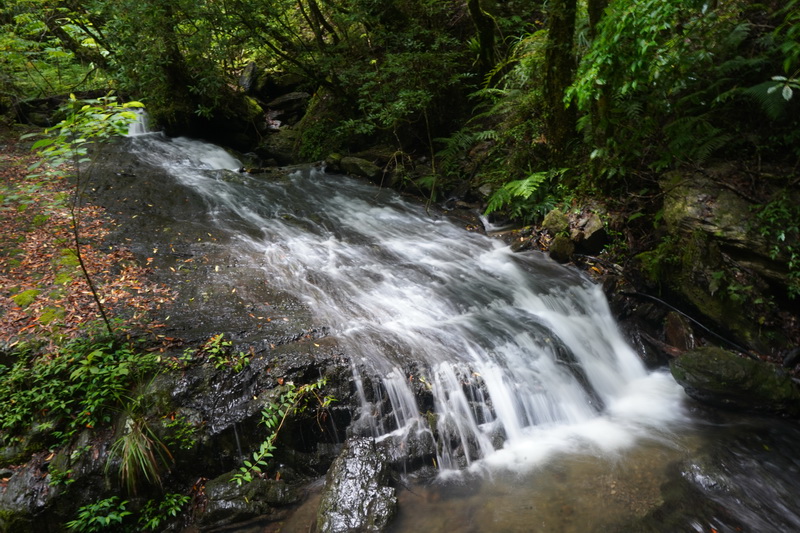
point(544, 419)
point(521, 356)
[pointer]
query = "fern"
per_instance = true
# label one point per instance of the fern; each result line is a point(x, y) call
point(770, 100)
point(528, 198)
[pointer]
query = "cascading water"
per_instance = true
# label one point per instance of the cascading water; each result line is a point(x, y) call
point(518, 357)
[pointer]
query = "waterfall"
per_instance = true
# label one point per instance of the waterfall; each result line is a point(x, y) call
point(141, 125)
point(503, 357)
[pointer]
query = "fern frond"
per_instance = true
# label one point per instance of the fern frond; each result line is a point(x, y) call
point(770, 101)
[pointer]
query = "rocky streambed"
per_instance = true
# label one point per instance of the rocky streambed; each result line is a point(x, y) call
point(651, 461)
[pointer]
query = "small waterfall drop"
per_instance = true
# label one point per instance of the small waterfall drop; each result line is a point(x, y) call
point(503, 357)
point(141, 125)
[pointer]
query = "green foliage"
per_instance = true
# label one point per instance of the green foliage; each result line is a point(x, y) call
point(100, 516)
point(87, 122)
point(219, 353)
point(779, 221)
point(292, 401)
point(155, 512)
point(79, 385)
point(111, 514)
point(661, 83)
point(181, 433)
point(528, 199)
point(35, 61)
point(141, 454)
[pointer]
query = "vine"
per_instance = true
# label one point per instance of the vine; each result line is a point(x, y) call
point(293, 400)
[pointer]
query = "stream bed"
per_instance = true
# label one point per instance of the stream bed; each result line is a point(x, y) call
point(537, 414)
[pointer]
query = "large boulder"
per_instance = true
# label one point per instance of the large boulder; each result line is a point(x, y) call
point(357, 495)
point(716, 263)
point(723, 379)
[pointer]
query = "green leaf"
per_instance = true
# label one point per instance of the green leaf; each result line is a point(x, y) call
point(41, 143)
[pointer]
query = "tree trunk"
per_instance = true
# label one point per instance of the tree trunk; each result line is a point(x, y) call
point(559, 71)
point(600, 107)
point(484, 27)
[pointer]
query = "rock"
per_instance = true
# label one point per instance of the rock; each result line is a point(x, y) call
point(357, 496)
point(279, 145)
point(555, 222)
point(248, 77)
point(590, 234)
point(562, 248)
point(723, 379)
point(356, 166)
point(678, 332)
point(289, 108)
point(228, 502)
point(697, 204)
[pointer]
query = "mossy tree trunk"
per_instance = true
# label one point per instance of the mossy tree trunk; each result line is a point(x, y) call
point(559, 72)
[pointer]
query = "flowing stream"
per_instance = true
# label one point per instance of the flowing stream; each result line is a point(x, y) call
point(545, 418)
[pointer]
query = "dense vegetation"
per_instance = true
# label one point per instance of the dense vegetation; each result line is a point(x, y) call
point(614, 89)
point(534, 104)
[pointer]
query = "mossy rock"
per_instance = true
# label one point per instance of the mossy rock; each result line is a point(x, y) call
point(555, 222)
point(718, 377)
point(562, 248)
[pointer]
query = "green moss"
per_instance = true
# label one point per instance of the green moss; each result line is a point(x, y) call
point(51, 314)
point(15, 521)
point(26, 298)
point(40, 220)
point(556, 222)
point(68, 258)
point(63, 278)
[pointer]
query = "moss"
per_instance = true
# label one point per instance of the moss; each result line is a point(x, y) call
point(26, 298)
point(63, 278)
point(68, 258)
point(556, 222)
point(719, 377)
point(51, 314)
point(15, 521)
point(40, 220)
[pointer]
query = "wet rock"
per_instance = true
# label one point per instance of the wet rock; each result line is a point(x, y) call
point(721, 378)
point(715, 259)
point(562, 248)
point(289, 108)
point(357, 495)
point(678, 332)
point(228, 502)
point(590, 234)
point(357, 166)
point(279, 145)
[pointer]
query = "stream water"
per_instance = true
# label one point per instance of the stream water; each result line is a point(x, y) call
point(545, 418)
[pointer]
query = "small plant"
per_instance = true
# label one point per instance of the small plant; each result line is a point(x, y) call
point(87, 123)
point(154, 513)
point(110, 515)
point(219, 353)
point(142, 456)
point(182, 433)
point(274, 415)
point(100, 516)
point(59, 477)
point(778, 222)
point(80, 385)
